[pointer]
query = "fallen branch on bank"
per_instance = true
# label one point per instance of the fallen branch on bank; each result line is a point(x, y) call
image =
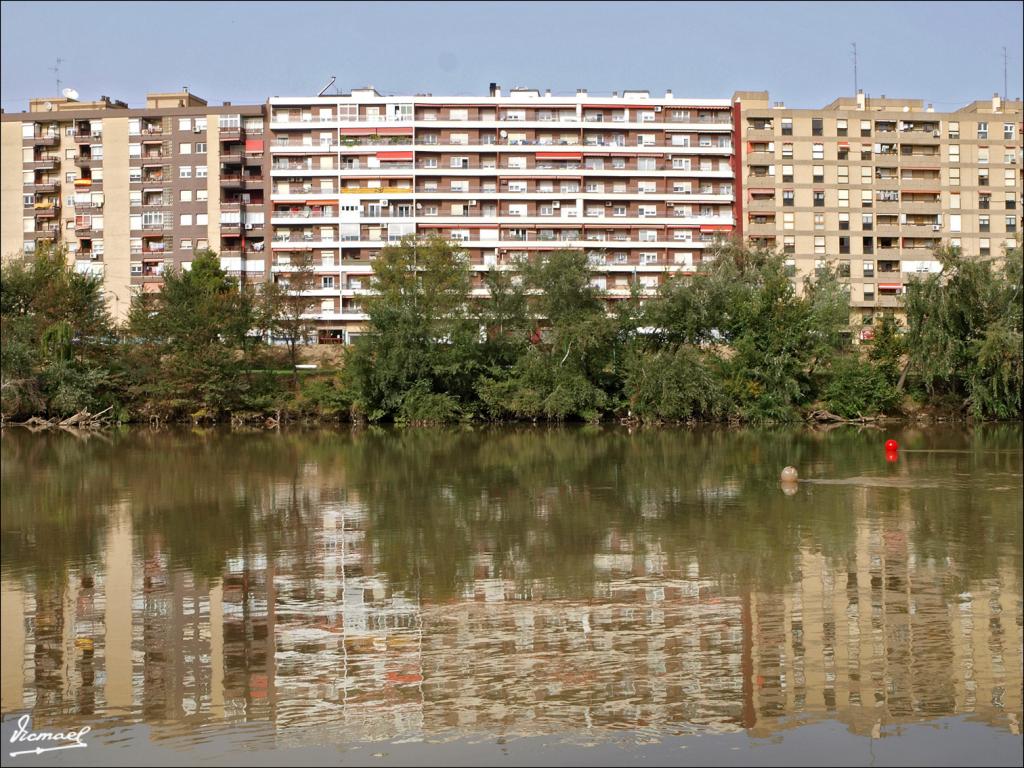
point(81, 420)
point(827, 417)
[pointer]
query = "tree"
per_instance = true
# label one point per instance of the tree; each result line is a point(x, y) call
point(421, 356)
point(965, 335)
point(57, 337)
point(286, 307)
point(194, 343)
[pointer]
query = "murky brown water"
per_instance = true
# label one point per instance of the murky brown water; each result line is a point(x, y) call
point(590, 588)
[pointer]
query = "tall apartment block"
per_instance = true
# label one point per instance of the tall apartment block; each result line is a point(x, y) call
point(643, 184)
point(876, 184)
point(131, 192)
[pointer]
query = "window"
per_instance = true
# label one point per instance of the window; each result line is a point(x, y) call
point(201, 172)
point(186, 245)
point(200, 124)
point(185, 149)
point(844, 245)
point(983, 224)
point(817, 126)
point(818, 173)
point(134, 150)
point(865, 198)
point(200, 147)
point(843, 174)
point(865, 127)
point(844, 198)
point(185, 172)
point(184, 123)
point(788, 244)
point(790, 267)
point(202, 195)
point(787, 198)
point(818, 152)
point(819, 221)
point(1009, 177)
point(954, 200)
point(787, 173)
point(327, 281)
point(202, 219)
point(954, 130)
point(867, 245)
point(185, 196)
point(954, 222)
point(867, 222)
point(869, 295)
point(787, 151)
point(787, 126)
point(982, 130)
point(983, 155)
point(954, 177)
point(1011, 223)
point(463, 114)
point(1008, 129)
point(787, 221)
point(984, 247)
point(983, 177)
point(841, 128)
point(844, 221)
point(869, 269)
point(1011, 201)
point(619, 210)
point(819, 199)
point(185, 220)
point(646, 164)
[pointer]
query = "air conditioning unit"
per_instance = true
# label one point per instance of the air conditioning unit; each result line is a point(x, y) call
point(657, 109)
point(608, 203)
point(384, 203)
point(936, 227)
point(1013, 160)
point(471, 202)
point(249, 226)
point(556, 204)
point(94, 256)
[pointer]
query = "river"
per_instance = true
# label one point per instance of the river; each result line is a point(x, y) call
point(575, 595)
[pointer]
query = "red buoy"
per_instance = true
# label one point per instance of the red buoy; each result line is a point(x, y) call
point(891, 446)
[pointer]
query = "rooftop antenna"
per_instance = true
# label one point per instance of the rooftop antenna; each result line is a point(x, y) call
point(333, 78)
point(56, 72)
point(854, 46)
point(1004, 73)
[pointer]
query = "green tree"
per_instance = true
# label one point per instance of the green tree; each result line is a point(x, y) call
point(194, 344)
point(965, 336)
point(58, 350)
point(286, 308)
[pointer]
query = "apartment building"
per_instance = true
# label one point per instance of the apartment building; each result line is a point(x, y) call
point(132, 192)
point(876, 184)
point(643, 184)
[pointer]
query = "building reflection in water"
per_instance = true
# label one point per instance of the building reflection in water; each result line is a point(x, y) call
point(316, 639)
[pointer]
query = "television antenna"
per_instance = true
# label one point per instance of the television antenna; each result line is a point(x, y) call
point(853, 46)
point(1004, 73)
point(56, 71)
point(333, 78)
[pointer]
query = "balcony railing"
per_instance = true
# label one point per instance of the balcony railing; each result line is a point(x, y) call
point(46, 139)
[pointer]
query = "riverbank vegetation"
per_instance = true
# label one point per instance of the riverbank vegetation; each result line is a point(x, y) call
point(738, 341)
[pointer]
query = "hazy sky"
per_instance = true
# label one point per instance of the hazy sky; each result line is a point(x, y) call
point(948, 53)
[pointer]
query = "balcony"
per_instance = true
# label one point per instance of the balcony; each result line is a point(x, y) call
point(760, 229)
point(86, 205)
point(760, 133)
point(230, 133)
point(47, 212)
point(84, 161)
point(920, 184)
point(921, 206)
point(920, 161)
point(238, 181)
point(43, 187)
point(43, 164)
point(761, 204)
point(233, 157)
point(253, 159)
point(46, 140)
point(921, 230)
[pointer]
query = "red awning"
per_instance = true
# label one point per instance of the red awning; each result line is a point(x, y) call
point(761, 191)
point(716, 227)
point(890, 286)
point(844, 145)
point(683, 226)
point(254, 145)
point(560, 155)
point(394, 155)
point(376, 131)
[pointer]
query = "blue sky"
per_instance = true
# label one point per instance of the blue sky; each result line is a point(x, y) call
point(948, 53)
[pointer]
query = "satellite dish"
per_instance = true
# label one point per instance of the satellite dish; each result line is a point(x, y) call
point(48, 106)
point(70, 93)
point(504, 134)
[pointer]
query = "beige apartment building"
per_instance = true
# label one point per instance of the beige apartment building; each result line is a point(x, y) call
point(876, 184)
point(132, 192)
